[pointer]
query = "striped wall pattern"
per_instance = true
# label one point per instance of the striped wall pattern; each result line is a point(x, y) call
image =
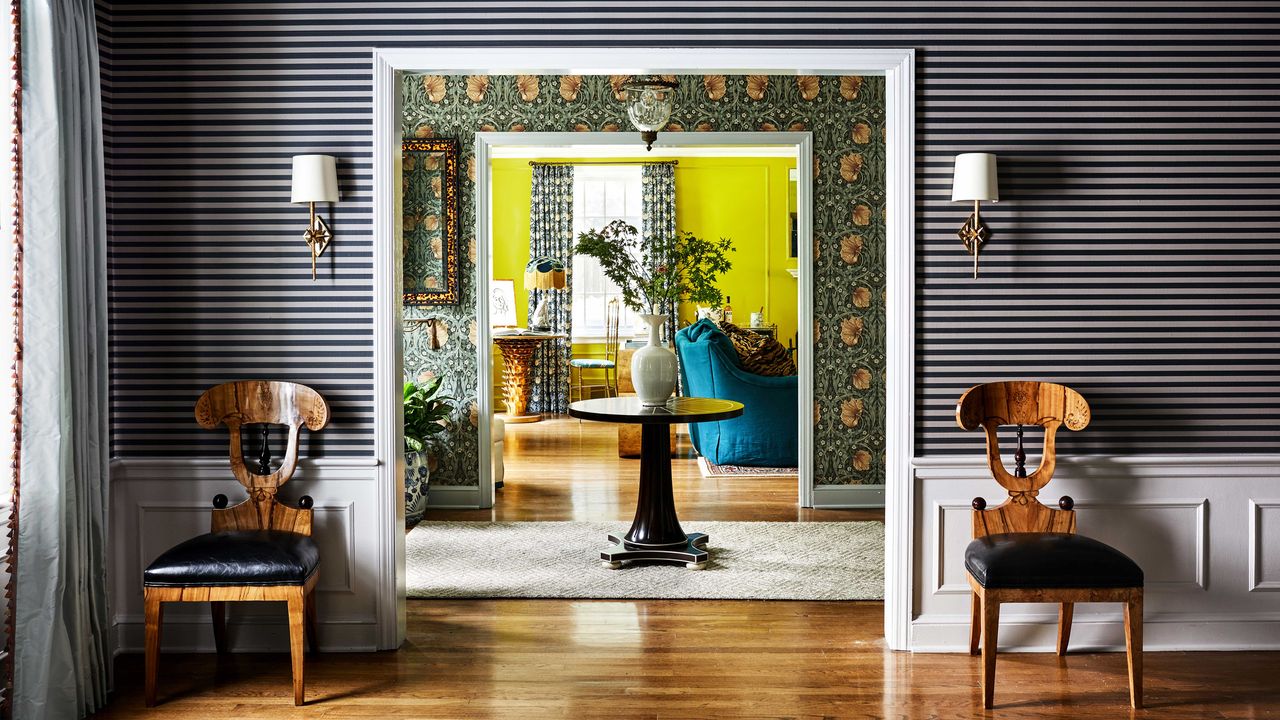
point(1136, 251)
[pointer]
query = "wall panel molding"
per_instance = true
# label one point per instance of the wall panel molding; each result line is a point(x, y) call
point(1192, 523)
point(1260, 580)
point(156, 504)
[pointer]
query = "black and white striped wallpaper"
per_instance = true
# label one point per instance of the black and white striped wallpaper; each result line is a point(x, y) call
point(1136, 250)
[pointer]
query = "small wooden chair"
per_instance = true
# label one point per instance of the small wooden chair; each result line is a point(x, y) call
point(1025, 551)
point(259, 549)
point(606, 361)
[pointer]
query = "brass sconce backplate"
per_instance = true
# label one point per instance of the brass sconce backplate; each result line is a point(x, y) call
point(974, 234)
point(317, 237)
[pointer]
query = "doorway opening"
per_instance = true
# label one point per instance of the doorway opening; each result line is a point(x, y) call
point(896, 198)
point(742, 187)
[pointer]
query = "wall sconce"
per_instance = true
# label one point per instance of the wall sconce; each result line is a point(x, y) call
point(975, 179)
point(315, 179)
point(649, 102)
point(544, 273)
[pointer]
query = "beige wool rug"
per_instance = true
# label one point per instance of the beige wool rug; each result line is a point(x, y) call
point(749, 561)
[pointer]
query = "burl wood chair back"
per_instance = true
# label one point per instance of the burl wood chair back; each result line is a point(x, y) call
point(256, 402)
point(1022, 403)
point(1025, 551)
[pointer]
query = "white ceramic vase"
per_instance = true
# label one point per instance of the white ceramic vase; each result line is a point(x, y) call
point(653, 367)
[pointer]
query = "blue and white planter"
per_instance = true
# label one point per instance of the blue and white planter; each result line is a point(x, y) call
point(417, 476)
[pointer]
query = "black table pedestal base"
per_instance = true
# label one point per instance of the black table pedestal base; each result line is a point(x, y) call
point(692, 553)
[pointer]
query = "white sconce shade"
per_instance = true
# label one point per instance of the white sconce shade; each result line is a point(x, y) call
point(315, 179)
point(975, 178)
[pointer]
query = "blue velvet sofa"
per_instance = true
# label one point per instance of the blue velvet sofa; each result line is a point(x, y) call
point(765, 434)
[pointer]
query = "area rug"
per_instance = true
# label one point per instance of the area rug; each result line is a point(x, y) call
point(749, 561)
point(710, 469)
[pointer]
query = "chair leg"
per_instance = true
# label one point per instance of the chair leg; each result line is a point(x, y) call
point(990, 631)
point(313, 643)
point(219, 612)
point(154, 618)
point(297, 611)
point(1133, 644)
point(1065, 612)
point(975, 623)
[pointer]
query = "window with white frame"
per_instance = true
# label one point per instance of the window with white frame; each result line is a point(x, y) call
point(601, 194)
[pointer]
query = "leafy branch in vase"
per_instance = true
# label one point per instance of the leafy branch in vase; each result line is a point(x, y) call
point(656, 275)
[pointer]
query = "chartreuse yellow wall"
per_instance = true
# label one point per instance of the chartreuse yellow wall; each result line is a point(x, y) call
point(746, 199)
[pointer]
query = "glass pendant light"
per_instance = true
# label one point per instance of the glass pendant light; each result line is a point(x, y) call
point(649, 101)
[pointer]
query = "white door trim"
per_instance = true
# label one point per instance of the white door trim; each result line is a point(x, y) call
point(898, 67)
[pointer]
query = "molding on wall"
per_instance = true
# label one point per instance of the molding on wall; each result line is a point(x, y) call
point(1257, 580)
point(841, 497)
point(388, 354)
point(900, 346)
point(206, 468)
point(1105, 632)
point(898, 66)
point(156, 502)
point(1195, 523)
point(461, 497)
point(938, 466)
point(799, 143)
point(193, 633)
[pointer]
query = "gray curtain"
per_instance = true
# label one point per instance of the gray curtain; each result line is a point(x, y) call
point(658, 206)
point(63, 651)
point(551, 233)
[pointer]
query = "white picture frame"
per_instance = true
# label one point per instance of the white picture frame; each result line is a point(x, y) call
point(502, 303)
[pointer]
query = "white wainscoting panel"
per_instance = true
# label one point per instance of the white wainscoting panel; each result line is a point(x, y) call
point(1199, 527)
point(1264, 544)
point(156, 504)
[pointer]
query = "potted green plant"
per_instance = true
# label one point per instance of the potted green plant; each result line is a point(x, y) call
point(655, 276)
point(425, 414)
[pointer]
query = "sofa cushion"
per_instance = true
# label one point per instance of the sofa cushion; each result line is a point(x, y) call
point(1048, 560)
point(236, 557)
point(759, 354)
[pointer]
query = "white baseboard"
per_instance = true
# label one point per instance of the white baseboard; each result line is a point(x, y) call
point(453, 497)
point(194, 634)
point(842, 497)
point(1105, 633)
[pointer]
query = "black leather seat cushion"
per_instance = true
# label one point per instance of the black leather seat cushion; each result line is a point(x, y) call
point(236, 557)
point(1049, 560)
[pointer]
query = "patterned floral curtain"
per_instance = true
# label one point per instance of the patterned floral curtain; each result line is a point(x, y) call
point(551, 233)
point(658, 206)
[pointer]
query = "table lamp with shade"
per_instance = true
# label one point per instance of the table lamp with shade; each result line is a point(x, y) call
point(975, 179)
point(315, 179)
point(544, 273)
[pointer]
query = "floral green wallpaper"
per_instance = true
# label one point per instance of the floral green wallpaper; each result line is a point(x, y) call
point(846, 116)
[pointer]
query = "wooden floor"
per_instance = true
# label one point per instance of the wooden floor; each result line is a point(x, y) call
point(675, 659)
point(561, 469)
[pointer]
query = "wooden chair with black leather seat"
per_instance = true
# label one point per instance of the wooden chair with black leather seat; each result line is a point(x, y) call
point(259, 549)
point(1025, 551)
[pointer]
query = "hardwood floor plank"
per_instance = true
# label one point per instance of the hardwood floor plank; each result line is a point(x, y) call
point(682, 659)
point(560, 469)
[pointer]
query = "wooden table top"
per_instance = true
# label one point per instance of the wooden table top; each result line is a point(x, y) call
point(677, 410)
point(528, 336)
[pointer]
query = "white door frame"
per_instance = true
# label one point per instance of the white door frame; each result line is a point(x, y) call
point(898, 67)
point(801, 143)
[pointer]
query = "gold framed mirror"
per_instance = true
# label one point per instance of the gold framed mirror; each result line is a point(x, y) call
point(429, 222)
